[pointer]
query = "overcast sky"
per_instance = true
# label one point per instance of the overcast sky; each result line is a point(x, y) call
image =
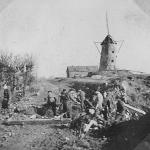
point(60, 33)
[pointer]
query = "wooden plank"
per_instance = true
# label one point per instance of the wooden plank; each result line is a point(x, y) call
point(88, 126)
point(36, 121)
point(135, 109)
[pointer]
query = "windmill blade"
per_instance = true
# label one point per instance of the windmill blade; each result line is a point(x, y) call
point(122, 41)
point(120, 46)
point(95, 43)
point(107, 25)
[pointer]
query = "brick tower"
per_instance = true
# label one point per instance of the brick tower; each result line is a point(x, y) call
point(108, 54)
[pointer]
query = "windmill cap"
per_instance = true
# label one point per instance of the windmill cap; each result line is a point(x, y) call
point(108, 39)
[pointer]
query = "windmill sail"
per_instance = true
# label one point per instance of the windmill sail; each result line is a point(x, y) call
point(107, 25)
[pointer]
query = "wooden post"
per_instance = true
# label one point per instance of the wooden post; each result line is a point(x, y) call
point(36, 121)
point(135, 109)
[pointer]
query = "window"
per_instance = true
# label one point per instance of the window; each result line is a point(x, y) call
point(112, 51)
point(112, 60)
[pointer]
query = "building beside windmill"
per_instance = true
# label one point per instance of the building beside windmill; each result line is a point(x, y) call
point(108, 54)
point(80, 71)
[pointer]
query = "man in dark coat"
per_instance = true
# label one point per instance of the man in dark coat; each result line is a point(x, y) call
point(120, 112)
point(51, 101)
point(64, 101)
point(120, 107)
point(5, 98)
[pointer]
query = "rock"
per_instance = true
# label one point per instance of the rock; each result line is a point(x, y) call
point(96, 77)
point(67, 139)
point(9, 134)
point(33, 116)
point(83, 144)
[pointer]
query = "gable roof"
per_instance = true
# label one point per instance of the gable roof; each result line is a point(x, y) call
point(82, 68)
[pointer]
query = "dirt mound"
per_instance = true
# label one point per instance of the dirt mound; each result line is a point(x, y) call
point(127, 135)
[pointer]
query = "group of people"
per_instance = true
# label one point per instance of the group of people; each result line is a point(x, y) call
point(72, 102)
point(67, 101)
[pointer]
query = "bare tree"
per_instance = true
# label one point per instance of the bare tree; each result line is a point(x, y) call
point(16, 66)
point(6, 58)
point(28, 64)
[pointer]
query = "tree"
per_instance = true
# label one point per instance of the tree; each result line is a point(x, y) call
point(12, 67)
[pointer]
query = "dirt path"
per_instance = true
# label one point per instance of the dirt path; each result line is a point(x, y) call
point(30, 137)
point(43, 138)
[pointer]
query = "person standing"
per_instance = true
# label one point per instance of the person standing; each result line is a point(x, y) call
point(64, 101)
point(73, 104)
point(123, 95)
point(6, 97)
point(99, 100)
point(81, 96)
point(120, 107)
point(51, 101)
point(120, 110)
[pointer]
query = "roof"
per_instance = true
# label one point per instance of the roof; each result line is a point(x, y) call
point(108, 39)
point(82, 68)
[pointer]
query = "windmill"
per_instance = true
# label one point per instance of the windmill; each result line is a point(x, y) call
point(108, 54)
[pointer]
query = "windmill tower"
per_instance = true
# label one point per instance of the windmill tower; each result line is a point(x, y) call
point(108, 52)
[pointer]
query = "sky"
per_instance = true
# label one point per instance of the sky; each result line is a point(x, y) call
point(60, 33)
